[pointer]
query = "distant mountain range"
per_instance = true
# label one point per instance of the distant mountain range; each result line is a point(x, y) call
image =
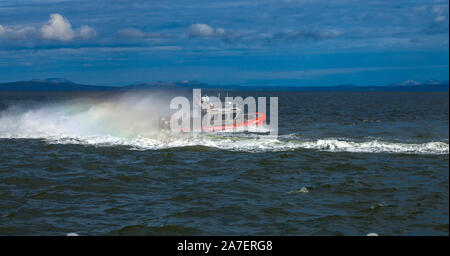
point(61, 84)
point(427, 82)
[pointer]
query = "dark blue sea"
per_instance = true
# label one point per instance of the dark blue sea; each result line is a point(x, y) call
point(343, 164)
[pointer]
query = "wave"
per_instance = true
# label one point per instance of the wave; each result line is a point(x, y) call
point(129, 122)
point(376, 146)
point(243, 144)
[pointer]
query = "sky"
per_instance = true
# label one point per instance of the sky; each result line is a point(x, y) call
point(254, 43)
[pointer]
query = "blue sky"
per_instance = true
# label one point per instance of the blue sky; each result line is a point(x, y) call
point(282, 42)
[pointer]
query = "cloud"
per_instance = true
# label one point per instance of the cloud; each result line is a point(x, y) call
point(207, 31)
point(131, 33)
point(440, 19)
point(440, 9)
point(242, 24)
point(200, 30)
point(87, 32)
point(204, 30)
point(300, 35)
point(59, 28)
point(439, 24)
point(17, 32)
point(22, 33)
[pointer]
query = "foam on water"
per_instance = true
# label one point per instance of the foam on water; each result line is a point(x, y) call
point(129, 122)
point(376, 146)
point(240, 143)
point(261, 144)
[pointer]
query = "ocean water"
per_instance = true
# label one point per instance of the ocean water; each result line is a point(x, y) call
point(343, 164)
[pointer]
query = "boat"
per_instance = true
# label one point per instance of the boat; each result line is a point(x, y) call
point(231, 119)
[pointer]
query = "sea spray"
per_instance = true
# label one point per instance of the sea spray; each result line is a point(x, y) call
point(131, 119)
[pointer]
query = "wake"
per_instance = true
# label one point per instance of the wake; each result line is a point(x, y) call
point(132, 121)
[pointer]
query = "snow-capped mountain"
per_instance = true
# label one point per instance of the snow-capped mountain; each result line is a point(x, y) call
point(408, 83)
point(427, 82)
point(432, 82)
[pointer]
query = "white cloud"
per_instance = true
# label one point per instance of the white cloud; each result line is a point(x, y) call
point(301, 35)
point(441, 12)
point(220, 31)
point(440, 19)
point(87, 32)
point(440, 9)
point(200, 30)
point(131, 33)
point(439, 23)
point(59, 28)
point(22, 33)
point(204, 30)
point(16, 32)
